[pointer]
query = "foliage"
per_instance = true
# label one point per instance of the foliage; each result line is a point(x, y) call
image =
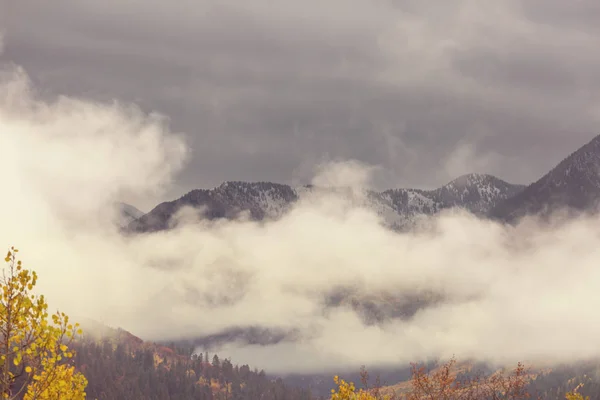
point(443, 383)
point(117, 368)
point(45, 357)
point(576, 396)
point(347, 391)
point(574, 379)
point(33, 350)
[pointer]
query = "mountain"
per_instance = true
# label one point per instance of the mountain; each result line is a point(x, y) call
point(478, 193)
point(259, 199)
point(573, 185)
point(399, 208)
point(119, 365)
point(125, 213)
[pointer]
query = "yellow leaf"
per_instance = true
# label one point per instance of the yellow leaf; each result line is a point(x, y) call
point(27, 317)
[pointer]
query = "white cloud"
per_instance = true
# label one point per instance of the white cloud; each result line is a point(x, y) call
point(510, 293)
point(350, 173)
point(465, 158)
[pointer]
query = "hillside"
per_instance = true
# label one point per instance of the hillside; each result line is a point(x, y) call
point(542, 383)
point(573, 185)
point(119, 365)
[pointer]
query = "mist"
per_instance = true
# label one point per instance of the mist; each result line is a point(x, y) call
point(505, 294)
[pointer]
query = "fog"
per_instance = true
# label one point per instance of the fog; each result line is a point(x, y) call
point(509, 293)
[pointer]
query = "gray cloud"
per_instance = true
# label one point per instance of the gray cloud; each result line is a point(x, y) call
point(273, 91)
point(260, 88)
point(488, 292)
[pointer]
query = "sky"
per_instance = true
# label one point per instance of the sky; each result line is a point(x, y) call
point(262, 90)
point(503, 294)
point(101, 102)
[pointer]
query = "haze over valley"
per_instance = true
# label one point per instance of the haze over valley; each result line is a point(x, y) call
point(310, 188)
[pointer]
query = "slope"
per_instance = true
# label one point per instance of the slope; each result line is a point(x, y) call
point(573, 185)
point(399, 208)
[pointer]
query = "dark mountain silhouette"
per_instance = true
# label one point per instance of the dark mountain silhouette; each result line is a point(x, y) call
point(573, 186)
point(399, 208)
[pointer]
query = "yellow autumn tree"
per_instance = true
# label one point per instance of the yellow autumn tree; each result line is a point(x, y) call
point(34, 349)
point(347, 391)
point(575, 395)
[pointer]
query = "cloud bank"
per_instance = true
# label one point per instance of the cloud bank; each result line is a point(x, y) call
point(427, 90)
point(503, 294)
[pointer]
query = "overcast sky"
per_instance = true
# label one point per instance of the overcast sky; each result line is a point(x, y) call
point(265, 90)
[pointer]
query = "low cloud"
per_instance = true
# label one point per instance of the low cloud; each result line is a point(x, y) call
point(500, 294)
point(354, 174)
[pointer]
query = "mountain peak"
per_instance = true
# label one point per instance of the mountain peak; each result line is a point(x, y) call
point(574, 184)
point(473, 179)
point(477, 193)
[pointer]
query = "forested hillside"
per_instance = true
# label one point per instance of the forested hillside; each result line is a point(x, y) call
point(120, 367)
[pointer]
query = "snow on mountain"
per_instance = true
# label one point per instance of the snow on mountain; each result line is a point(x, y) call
point(258, 200)
point(398, 208)
point(573, 185)
point(478, 193)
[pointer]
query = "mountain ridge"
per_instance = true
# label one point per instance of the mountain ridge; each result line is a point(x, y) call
point(572, 185)
point(399, 208)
